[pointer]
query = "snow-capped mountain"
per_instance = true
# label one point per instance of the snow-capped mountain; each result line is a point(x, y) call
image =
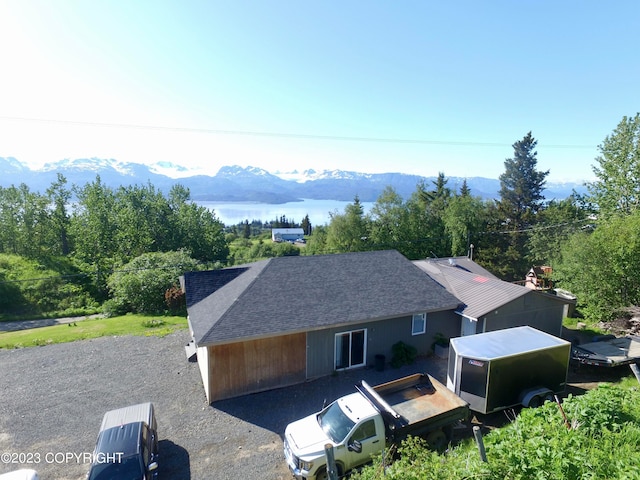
point(250, 184)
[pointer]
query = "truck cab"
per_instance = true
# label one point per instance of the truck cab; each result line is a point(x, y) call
point(351, 425)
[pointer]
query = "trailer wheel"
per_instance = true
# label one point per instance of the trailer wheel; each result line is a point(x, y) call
point(436, 440)
point(535, 401)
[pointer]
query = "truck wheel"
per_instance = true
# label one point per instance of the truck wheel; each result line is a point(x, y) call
point(322, 474)
point(436, 440)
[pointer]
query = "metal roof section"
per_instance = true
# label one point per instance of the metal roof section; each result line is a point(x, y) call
point(504, 343)
point(294, 294)
point(479, 291)
point(143, 412)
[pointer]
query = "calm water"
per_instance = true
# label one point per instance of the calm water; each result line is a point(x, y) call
point(232, 213)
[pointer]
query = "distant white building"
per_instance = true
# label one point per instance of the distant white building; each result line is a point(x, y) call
point(287, 234)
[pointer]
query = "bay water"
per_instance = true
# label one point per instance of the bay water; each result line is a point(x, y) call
point(319, 211)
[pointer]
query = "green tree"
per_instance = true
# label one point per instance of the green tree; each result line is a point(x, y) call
point(389, 219)
point(306, 225)
point(348, 232)
point(317, 241)
point(140, 285)
point(617, 188)
point(462, 218)
point(556, 223)
point(197, 228)
point(59, 196)
point(94, 224)
point(24, 217)
point(601, 268)
point(521, 197)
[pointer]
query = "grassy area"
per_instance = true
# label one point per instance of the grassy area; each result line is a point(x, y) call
point(125, 325)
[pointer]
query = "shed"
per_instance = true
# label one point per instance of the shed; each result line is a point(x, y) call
point(488, 303)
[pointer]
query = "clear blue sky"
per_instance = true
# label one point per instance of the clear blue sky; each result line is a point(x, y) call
point(414, 86)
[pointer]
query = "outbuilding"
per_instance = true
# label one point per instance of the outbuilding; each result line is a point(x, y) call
point(488, 303)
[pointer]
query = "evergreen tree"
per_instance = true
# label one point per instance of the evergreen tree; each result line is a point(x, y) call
point(306, 225)
point(521, 187)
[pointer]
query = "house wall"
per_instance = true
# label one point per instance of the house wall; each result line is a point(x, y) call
point(253, 366)
point(534, 309)
point(202, 354)
point(381, 335)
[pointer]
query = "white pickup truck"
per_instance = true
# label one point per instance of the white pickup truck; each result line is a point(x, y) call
point(362, 424)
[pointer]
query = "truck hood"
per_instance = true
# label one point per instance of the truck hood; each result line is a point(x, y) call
point(305, 436)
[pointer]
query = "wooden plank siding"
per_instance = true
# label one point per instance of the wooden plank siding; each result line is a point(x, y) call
point(256, 365)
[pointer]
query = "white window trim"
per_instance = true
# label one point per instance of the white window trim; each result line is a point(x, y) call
point(422, 317)
point(364, 357)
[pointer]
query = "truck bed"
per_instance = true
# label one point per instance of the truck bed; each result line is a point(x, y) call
point(609, 353)
point(420, 398)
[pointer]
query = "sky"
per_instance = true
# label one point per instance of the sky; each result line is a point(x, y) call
point(420, 87)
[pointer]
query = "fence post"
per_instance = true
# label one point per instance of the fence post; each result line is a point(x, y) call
point(478, 436)
point(332, 472)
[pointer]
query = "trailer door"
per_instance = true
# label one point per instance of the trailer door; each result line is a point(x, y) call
point(473, 383)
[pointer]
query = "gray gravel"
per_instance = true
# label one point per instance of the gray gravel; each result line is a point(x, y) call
point(52, 399)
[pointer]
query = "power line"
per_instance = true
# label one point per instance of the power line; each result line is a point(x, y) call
point(300, 136)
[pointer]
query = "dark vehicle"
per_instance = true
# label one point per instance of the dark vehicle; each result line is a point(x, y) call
point(507, 368)
point(127, 445)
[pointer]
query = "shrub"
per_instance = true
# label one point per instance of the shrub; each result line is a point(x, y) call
point(403, 354)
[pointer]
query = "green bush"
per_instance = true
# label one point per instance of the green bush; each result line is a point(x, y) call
point(402, 354)
point(140, 285)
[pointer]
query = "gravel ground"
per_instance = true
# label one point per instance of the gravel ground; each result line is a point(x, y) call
point(52, 400)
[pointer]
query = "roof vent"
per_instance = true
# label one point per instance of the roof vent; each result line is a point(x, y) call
point(452, 262)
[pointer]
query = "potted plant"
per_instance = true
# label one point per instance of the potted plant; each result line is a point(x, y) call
point(441, 345)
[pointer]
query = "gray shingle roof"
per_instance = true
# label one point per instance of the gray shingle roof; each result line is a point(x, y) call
point(479, 292)
point(302, 293)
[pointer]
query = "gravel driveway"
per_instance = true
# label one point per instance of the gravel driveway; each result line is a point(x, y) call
point(52, 399)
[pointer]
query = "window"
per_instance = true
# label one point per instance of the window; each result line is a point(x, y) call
point(419, 324)
point(364, 431)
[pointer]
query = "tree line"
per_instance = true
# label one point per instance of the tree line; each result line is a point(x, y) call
point(76, 240)
point(94, 233)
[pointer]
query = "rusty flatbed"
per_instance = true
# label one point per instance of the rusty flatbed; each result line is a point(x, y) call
point(417, 404)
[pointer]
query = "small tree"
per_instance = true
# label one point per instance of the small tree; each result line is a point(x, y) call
point(140, 286)
point(617, 189)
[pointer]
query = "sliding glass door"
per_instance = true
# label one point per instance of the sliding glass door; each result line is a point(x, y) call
point(351, 349)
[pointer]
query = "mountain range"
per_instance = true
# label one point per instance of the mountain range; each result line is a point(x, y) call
point(249, 184)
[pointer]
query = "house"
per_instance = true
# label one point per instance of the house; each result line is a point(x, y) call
point(282, 321)
point(539, 278)
point(287, 234)
point(488, 303)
